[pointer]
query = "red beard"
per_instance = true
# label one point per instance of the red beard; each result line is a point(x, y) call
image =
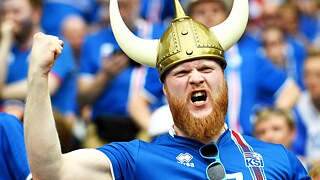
point(203, 128)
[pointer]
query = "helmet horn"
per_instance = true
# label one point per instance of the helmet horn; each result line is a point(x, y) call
point(230, 31)
point(141, 50)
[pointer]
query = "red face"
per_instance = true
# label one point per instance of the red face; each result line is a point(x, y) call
point(197, 95)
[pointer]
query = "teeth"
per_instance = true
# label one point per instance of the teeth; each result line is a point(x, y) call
point(198, 102)
point(198, 94)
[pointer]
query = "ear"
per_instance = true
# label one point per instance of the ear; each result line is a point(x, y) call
point(164, 89)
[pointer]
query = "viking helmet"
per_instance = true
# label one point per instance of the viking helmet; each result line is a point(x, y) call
point(184, 40)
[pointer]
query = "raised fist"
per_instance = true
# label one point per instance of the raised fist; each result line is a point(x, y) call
point(45, 51)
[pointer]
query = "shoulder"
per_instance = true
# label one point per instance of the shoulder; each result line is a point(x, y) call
point(7, 119)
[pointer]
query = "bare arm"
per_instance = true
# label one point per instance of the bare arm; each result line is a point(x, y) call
point(288, 95)
point(139, 111)
point(44, 152)
point(6, 42)
point(18, 90)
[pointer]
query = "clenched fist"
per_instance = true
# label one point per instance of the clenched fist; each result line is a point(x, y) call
point(45, 50)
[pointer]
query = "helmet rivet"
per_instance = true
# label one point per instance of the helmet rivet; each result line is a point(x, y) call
point(184, 32)
point(189, 52)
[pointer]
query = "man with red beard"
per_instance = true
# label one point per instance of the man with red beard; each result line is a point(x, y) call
point(190, 62)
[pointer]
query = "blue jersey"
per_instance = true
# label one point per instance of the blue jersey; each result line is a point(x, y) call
point(13, 155)
point(174, 157)
point(64, 69)
point(100, 46)
point(152, 89)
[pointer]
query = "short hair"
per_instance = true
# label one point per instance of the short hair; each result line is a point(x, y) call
point(264, 113)
point(313, 53)
point(314, 171)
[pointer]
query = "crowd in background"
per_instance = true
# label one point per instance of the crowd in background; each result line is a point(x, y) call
point(101, 96)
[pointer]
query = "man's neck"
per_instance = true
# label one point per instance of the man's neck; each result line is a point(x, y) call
point(178, 132)
point(316, 103)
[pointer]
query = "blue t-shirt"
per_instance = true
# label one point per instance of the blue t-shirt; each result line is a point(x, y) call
point(64, 100)
point(102, 44)
point(174, 157)
point(13, 155)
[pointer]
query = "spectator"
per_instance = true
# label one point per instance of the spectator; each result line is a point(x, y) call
point(275, 126)
point(314, 172)
point(108, 78)
point(309, 108)
point(19, 21)
point(245, 89)
point(13, 155)
point(200, 145)
point(74, 29)
point(281, 53)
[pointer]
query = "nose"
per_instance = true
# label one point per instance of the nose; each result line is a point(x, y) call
point(196, 78)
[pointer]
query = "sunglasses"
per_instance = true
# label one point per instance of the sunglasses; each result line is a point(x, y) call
point(215, 170)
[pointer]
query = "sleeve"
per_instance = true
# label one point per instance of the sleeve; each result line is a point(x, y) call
point(297, 169)
point(271, 81)
point(273, 77)
point(13, 146)
point(123, 157)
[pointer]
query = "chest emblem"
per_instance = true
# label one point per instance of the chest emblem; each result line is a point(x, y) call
point(184, 159)
point(253, 159)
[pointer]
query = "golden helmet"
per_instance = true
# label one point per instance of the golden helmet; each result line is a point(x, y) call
point(184, 40)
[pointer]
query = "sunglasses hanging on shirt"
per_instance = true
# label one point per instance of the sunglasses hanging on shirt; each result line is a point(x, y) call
point(215, 170)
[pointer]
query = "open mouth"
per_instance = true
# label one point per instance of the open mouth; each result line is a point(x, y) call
point(199, 97)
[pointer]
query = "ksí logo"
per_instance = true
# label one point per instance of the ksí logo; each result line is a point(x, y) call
point(253, 159)
point(185, 159)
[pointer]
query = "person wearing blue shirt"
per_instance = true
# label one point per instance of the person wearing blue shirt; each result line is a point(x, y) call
point(108, 78)
point(190, 62)
point(244, 77)
point(20, 20)
point(17, 33)
point(13, 154)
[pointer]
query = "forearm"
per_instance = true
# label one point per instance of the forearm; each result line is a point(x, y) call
point(4, 54)
point(15, 91)
point(89, 92)
point(288, 97)
point(42, 140)
point(140, 112)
